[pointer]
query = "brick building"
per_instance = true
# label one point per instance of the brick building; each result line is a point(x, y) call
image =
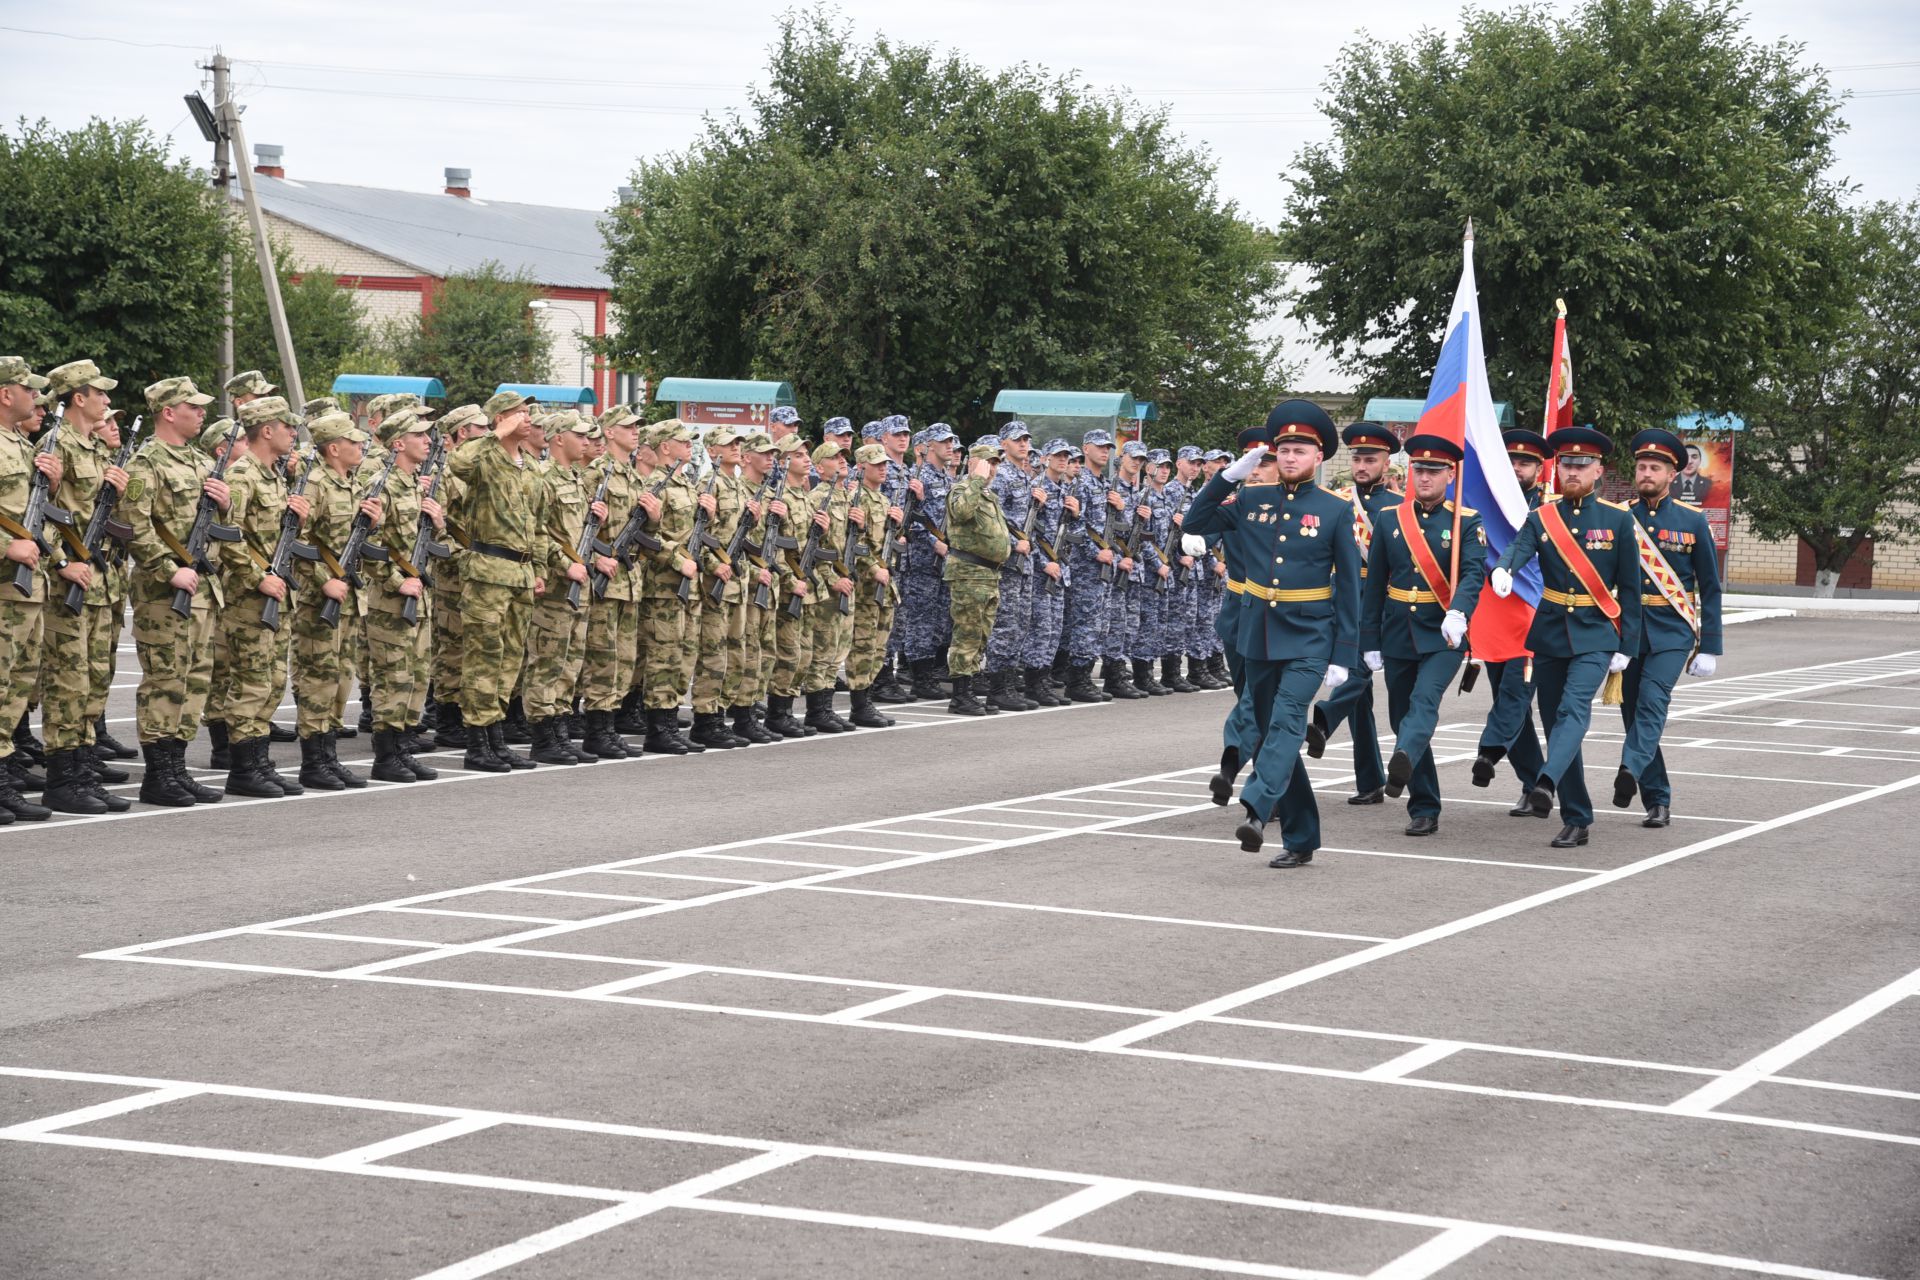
point(393, 248)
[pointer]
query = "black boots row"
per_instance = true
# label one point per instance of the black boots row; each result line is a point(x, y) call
point(167, 782)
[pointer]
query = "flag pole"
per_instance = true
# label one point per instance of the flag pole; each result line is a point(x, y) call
point(1459, 497)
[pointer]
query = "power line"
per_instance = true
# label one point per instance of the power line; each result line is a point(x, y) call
point(517, 104)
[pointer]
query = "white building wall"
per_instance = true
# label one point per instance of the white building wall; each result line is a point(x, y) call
point(567, 323)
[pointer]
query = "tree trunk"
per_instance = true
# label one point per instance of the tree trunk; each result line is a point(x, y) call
point(1824, 581)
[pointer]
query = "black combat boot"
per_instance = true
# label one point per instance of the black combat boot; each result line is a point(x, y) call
point(429, 716)
point(280, 733)
point(247, 775)
point(631, 717)
point(288, 787)
point(662, 740)
point(25, 743)
point(480, 757)
point(202, 794)
point(780, 721)
point(963, 702)
point(550, 742)
point(404, 744)
point(599, 742)
point(1080, 685)
point(924, 685)
point(348, 778)
point(314, 773)
point(1118, 682)
point(110, 745)
point(997, 686)
point(497, 743)
point(515, 726)
point(158, 786)
point(15, 804)
point(19, 771)
point(1061, 670)
point(745, 726)
point(709, 731)
point(95, 762)
point(365, 723)
point(574, 723)
point(865, 714)
point(386, 758)
point(1040, 689)
point(70, 786)
point(451, 731)
point(820, 717)
point(222, 757)
point(888, 688)
point(1143, 679)
point(1170, 676)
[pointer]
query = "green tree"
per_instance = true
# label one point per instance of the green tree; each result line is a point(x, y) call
point(478, 335)
point(324, 319)
point(898, 230)
point(109, 249)
point(1831, 453)
point(1643, 159)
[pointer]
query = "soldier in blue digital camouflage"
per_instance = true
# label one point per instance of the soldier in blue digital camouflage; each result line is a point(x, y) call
point(1131, 534)
point(895, 436)
point(1056, 523)
point(1015, 485)
point(925, 618)
point(1094, 572)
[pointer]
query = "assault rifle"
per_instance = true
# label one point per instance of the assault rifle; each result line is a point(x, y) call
point(102, 525)
point(285, 548)
point(359, 545)
point(735, 545)
point(849, 558)
point(207, 529)
point(40, 509)
point(700, 540)
point(897, 541)
point(810, 557)
point(589, 536)
point(773, 539)
point(425, 549)
point(1170, 553)
point(633, 534)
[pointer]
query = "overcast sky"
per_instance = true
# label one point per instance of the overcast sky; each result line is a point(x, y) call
point(551, 102)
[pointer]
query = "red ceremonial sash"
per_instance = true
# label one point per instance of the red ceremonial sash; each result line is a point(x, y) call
point(1576, 560)
point(1423, 558)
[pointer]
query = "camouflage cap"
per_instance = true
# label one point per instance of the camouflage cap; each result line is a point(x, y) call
point(399, 423)
point(1056, 445)
point(1133, 449)
point(329, 427)
point(785, 414)
point(111, 413)
point(759, 442)
point(1099, 435)
point(721, 437)
point(1217, 455)
point(672, 429)
point(250, 383)
point(789, 445)
point(1157, 456)
point(504, 402)
point(265, 409)
point(828, 450)
point(867, 454)
point(620, 415)
point(940, 431)
point(895, 424)
point(169, 392)
point(215, 435)
point(1015, 430)
point(464, 415)
point(75, 374)
point(392, 402)
point(594, 430)
point(836, 427)
point(318, 405)
point(572, 422)
point(987, 448)
point(14, 369)
point(1189, 453)
point(919, 438)
point(871, 431)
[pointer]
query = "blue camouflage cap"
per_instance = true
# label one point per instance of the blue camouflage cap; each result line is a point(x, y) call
point(836, 427)
point(1015, 430)
point(919, 438)
point(895, 424)
point(940, 431)
point(1056, 445)
point(988, 439)
point(1133, 449)
point(1158, 456)
point(1189, 453)
point(785, 414)
point(870, 432)
point(1217, 455)
point(1099, 435)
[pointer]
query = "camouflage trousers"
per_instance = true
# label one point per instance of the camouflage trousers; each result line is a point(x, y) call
point(494, 622)
point(449, 636)
point(1149, 604)
point(1123, 619)
point(975, 600)
point(1203, 641)
point(176, 663)
point(608, 673)
point(872, 632)
point(363, 659)
point(720, 653)
point(1049, 619)
point(322, 664)
point(247, 688)
point(107, 623)
point(20, 646)
point(1084, 625)
point(556, 651)
point(925, 615)
point(763, 647)
point(400, 654)
point(668, 628)
point(73, 647)
point(832, 637)
point(793, 652)
point(1013, 615)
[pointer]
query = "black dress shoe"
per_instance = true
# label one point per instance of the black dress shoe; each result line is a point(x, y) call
point(1625, 788)
point(1250, 833)
point(1424, 825)
point(1221, 783)
point(1399, 771)
point(1658, 815)
point(1540, 799)
point(1292, 858)
point(1484, 765)
point(1570, 837)
point(1524, 809)
point(1376, 796)
point(1317, 733)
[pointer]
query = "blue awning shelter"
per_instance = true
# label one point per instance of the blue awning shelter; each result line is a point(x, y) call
point(1109, 406)
point(380, 384)
point(725, 391)
point(1692, 423)
point(549, 393)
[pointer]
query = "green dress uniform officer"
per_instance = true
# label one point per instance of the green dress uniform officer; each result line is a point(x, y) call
point(1298, 626)
point(1681, 603)
point(1423, 580)
point(21, 617)
point(978, 542)
point(1589, 619)
point(398, 649)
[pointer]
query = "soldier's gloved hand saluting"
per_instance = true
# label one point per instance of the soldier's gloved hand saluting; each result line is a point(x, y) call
point(1243, 466)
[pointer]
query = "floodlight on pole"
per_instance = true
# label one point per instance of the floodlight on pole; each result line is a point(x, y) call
point(203, 116)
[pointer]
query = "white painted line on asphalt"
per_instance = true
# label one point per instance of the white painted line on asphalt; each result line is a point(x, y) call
point(925, 835)
point(325, 936)
point(1373, 853)
point(1058, 1213)
point(667, 974)
point(471, 915)
point(885, 1004)
point(1841, 1088)
point(1603, 812)
point(976, 822)
point(1412, 1060)
point(570, 893)
point(45, 1125)
point(864, 848)
point(1436, 1255)
point(1789, 1051)
point(1353, 960)
point(777, 862)
point(663, 875)
point(457, 1128)
point(1754, 777)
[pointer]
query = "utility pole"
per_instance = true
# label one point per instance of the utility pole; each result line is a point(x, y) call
point(229, 116)
point(223, 183)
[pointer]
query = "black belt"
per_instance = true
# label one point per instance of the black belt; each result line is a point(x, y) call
point(499, 552)
point(970, 558)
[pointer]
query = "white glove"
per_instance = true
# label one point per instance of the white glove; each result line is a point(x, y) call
point(1373, 659)
point(1702, 665)
point(1336, 676)
point(1242, 467)
point(1617, 663)
point(1193, 544)
point(1453, 628)
point(1502, 583)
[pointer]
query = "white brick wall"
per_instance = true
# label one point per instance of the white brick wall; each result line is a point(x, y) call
point(313, 251)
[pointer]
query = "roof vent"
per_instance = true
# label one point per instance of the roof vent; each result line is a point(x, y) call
point(458, 182)
point(625, 194)
point(266, 159)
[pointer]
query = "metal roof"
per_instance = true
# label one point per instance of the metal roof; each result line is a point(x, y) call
point(549, 393)
point(1383, 410)
point(724, 391)
point(1065, 404)
point(441, 235)
point(1145, 411)
point(378, 384)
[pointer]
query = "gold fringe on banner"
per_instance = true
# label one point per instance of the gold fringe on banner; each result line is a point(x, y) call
point(1614, 691)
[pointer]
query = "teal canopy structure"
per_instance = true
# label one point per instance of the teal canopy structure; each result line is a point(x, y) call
point(549, 393)
point(1403, 412)
point(724, 391)
point(1689, 423)
point(379, 384)
point(1065, 404)
point(1145, 411)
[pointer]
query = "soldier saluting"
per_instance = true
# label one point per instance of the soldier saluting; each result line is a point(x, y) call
point(1588, 622)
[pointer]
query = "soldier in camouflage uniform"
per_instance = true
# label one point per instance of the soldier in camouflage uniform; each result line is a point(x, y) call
point(1135, 517)
point(612, 616)
point(164, 486)
point(1205, 639)
point(557, 631)
point(1014, 484)
point(979, 544)
point(72, 640)
point(669, 625)
point(322, 654)
point(379, 409)
point(896, 435)
point(1168, 588)
point(400, 649)
point(467, 422)
point(1053, 579)
point(831, 631)
point(247, 689)
point(108, 623)
point(722, 642)
point(925, 597)
point(21, 617)
point(747, 678)
point(793, 636)
point(873, 599)
point(632, 716)
point(1093, 565)
point(499, 512)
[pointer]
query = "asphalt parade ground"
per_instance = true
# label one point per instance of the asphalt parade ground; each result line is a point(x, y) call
point(988, 998)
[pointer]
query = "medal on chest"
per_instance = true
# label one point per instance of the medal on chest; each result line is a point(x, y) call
point(1309, 526)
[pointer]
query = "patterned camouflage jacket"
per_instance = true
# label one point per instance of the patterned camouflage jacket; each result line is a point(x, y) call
point(673, 528)
point(163, 494)
point(836, 500)
point(874, 504)
point(976, 523)
point(400, 518)
point(623, 487)
point(921, 557)
point(16, 480)
point(500, 504)
point(259, 500)
point(566, 491)
point(730, 508)
point(336, 501)
point(85, 459)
